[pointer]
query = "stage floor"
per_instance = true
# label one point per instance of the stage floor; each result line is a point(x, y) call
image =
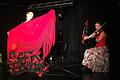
point(57, 72)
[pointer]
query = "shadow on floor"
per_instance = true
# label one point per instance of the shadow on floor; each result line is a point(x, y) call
point(57, 72)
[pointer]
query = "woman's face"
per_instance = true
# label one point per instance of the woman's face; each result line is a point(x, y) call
point(97, 26)
point(29, 15)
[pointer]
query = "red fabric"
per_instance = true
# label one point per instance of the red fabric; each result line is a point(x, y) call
point(34, 34)
point(102, 42)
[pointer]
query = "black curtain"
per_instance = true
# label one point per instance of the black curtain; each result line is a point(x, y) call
point(72, 29)
point(72, 24)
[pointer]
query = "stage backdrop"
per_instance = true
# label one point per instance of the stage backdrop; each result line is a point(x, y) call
point(27, 41)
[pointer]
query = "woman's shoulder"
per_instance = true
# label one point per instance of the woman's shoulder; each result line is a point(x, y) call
point(103, 33)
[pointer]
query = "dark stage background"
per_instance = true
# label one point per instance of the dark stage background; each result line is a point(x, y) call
point(71, 23)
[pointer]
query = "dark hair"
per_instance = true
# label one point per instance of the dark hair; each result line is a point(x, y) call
point(99, 22)
point(30, 10)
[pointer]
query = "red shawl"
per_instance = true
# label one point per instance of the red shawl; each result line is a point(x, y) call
point(34, 34)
